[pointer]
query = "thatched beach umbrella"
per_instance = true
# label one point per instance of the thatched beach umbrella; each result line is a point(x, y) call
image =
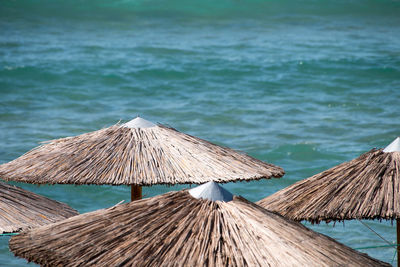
point(137, 153)
point(367, 187)
point(21, 209)
point(184, 228)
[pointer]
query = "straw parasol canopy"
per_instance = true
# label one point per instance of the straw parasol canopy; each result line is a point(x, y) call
point(367, 187)
point(184, 228)
point(138, 153)
point(21, 209)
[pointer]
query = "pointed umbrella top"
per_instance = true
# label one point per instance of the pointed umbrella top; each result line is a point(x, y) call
point(393, 146)
point(211, 191)
point(138, 123)
point(175, 229)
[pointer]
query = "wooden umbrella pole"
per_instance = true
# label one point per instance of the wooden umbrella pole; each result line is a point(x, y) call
point(136, 192)
point(398, 241)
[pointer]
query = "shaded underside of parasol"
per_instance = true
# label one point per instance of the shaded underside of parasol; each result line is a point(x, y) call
point(176, 229)
point(367, 187)
point(21, 209)
point(128, 155)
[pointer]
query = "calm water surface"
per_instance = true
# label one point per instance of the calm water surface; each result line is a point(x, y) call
point(305, 85)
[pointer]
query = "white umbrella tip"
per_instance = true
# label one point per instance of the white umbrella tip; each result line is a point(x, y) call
point(138, 123)
point(393, 146)
point(211, 191)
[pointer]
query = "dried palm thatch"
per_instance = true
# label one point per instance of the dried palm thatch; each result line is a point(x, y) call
point(367, 187)
point(176, 229)
point(21, 209)
point(135, 153)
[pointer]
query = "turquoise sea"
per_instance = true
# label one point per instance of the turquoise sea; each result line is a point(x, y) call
point(305, 85)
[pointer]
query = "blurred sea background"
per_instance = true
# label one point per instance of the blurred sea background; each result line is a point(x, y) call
point(305, 85)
